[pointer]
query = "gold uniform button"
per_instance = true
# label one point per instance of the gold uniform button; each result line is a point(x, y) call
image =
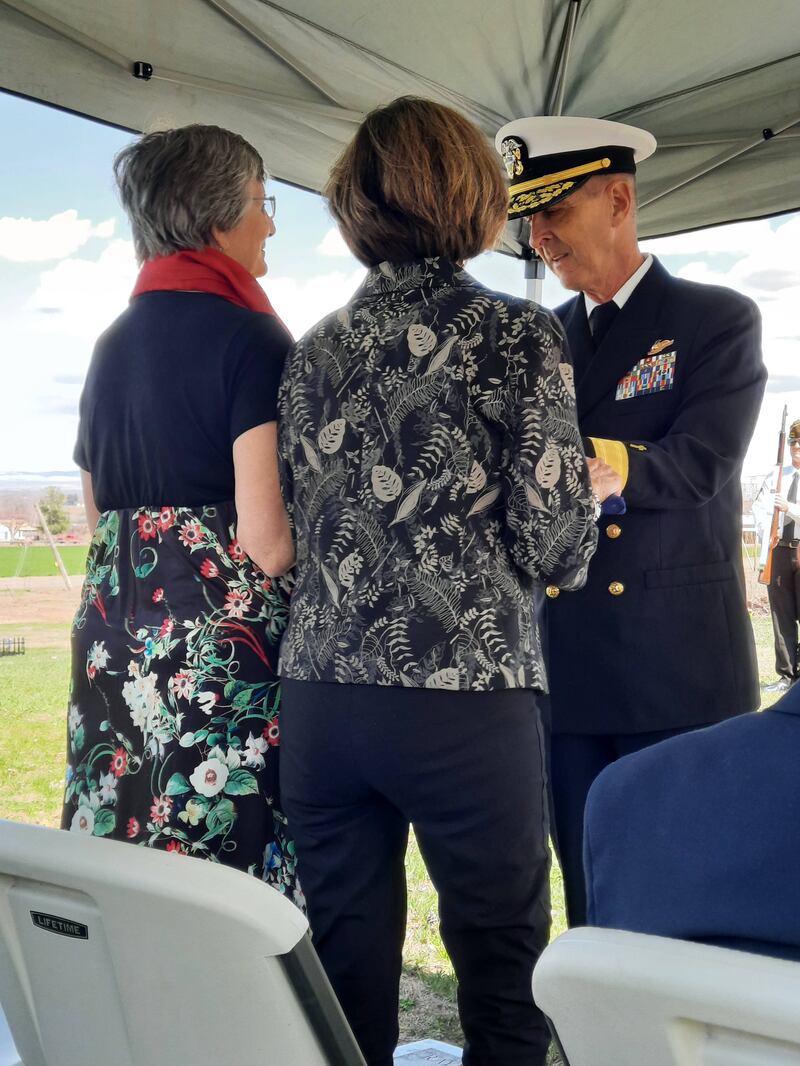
point(552, 591)
point(616, 588)
point(613, 531)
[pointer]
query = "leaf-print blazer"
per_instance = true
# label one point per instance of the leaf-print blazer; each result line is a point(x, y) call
point(434, 474)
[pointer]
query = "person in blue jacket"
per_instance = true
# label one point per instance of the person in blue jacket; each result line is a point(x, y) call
point(699, 837)
point(668, 378)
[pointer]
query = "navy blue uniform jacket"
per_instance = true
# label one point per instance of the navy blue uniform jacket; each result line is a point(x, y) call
point(673, 647)
point(699, 837)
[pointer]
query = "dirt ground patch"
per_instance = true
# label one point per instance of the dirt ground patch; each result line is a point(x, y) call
point(425, 1015)
point(38, 609)
point(45, 599)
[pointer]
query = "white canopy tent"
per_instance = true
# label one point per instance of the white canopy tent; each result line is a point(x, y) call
point(717, 82)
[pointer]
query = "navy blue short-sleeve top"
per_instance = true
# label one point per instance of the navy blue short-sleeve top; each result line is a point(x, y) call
point(172, 383)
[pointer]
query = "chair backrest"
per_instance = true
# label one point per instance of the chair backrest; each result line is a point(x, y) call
point(624, 999)
point(113, 953)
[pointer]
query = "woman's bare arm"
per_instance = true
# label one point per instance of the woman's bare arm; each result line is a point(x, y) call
point(89, 506)
point(263, 526)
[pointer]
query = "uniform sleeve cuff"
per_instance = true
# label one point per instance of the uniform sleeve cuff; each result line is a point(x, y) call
point(614, 453)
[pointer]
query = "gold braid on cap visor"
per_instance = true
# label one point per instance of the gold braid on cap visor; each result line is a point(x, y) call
point(561, 175)
point(529, 200)
point(550, 185)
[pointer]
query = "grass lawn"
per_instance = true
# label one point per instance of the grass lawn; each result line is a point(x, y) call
point(762, 628)
point(36, 560)
point(33, 701)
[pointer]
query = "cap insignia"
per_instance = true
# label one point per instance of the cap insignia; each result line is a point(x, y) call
point(512, 150)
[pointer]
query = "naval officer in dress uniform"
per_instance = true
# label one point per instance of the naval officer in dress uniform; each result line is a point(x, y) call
point(669, 380)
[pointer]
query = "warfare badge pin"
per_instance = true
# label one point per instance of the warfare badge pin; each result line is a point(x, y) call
point(659, 346)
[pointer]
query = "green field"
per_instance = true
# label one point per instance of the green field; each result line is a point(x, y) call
point(19, 560)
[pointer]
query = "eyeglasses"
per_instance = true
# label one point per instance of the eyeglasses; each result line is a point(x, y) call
point(267, 204)
point(794, 441)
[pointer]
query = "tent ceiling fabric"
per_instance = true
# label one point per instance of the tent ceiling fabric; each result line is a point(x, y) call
point(295, 78)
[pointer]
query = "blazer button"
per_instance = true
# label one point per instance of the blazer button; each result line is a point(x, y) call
point(616, 588)
point(552, 591)
point(613, 531)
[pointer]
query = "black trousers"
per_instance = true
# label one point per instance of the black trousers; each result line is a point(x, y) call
point(784, 603)
point(358, 765)
point(575, 760)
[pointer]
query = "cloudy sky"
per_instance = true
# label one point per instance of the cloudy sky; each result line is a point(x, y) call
point(67, 269)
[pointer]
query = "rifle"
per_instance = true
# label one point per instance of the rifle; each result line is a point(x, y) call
point(768, 547)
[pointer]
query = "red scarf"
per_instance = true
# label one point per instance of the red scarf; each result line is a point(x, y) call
point(205, 271)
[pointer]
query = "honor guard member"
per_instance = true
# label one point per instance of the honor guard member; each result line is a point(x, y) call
point(784, 587)
point(669, 380)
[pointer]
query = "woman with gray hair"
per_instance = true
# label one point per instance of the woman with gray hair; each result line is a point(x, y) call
point(173, 721)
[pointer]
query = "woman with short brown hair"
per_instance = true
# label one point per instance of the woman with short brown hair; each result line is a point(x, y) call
point(434, 475)
point(443, 195)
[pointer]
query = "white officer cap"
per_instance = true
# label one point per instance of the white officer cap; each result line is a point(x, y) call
point(547, 158)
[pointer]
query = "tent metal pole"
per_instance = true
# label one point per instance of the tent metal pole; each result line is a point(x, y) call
point(555, 97)
point(719, 160)
point(534, 279)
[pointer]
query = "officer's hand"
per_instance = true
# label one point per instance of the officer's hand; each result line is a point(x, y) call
point(781, 502)
point(605, 480)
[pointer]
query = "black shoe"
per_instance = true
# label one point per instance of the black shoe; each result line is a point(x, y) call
point(783, 684)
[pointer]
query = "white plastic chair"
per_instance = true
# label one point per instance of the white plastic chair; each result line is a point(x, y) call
point(624, 999)
point(116, 955)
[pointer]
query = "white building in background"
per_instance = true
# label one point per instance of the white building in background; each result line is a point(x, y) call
point(5, 535)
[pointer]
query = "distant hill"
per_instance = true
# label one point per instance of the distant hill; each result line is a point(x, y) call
point(29, 480)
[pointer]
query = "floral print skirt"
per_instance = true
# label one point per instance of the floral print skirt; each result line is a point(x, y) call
point(173, 732)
